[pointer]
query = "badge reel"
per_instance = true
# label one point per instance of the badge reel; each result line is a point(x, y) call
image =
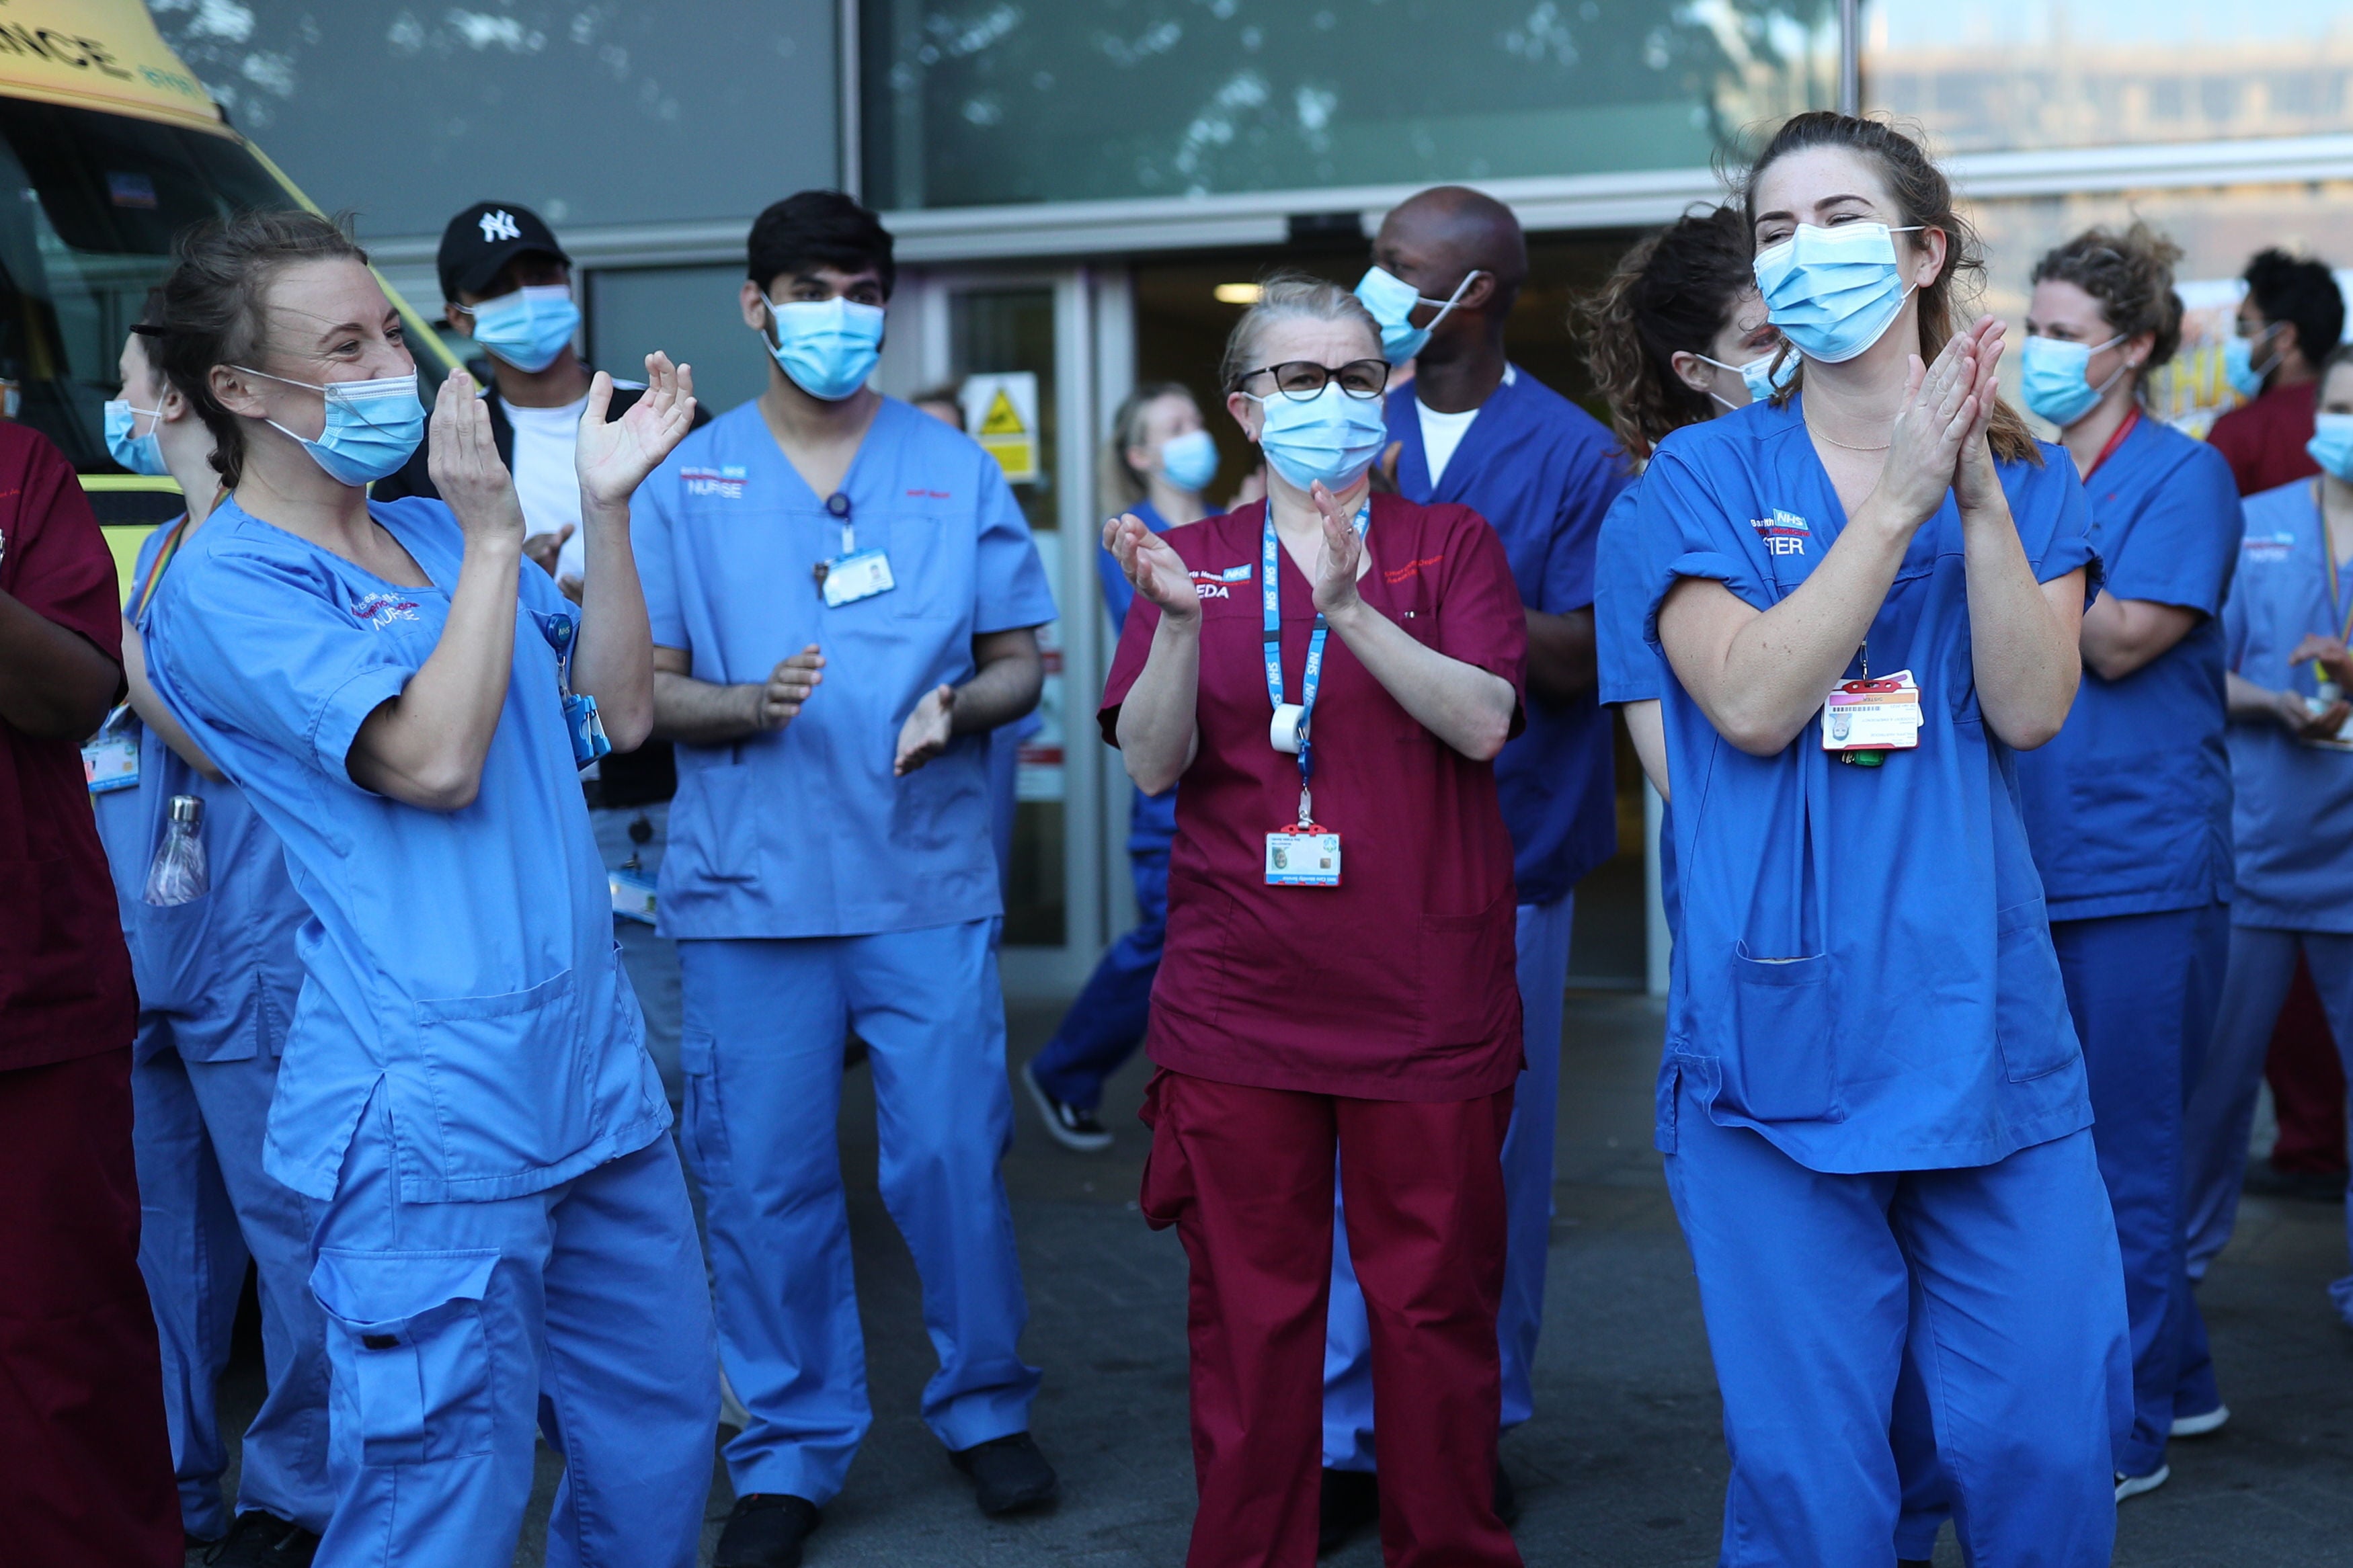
point(632, 889)
point(109, 759)
point(1864, 720)
point(855, 574)
point(581, 719)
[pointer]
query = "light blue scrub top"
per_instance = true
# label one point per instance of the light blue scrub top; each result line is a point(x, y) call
point(1864, 972)
point(2293, 811)
point(223, 965)
point(1150, 818)
point(463, 960)
point(803, 832)
point(2130, 808)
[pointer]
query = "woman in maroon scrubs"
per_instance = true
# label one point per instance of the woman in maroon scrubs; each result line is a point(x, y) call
point(1315, 999)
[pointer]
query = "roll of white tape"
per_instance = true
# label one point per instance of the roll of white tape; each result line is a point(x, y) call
point(1284, 730)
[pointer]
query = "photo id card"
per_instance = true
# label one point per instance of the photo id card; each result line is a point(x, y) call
point(1305, 856)
point(860, 575)
point(1882, 714)
point(111, 760)
point(633, 895)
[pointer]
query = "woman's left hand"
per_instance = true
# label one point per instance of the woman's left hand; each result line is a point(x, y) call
point(1342, 558)
point(1976, 483)
point(615, 458)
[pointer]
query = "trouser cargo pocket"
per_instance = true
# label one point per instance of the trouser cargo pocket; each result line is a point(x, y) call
point(412, 1364)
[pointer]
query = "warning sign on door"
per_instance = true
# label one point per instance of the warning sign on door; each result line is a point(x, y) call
point(1001, 412)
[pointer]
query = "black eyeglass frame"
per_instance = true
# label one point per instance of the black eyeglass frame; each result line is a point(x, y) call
point(1325, 375)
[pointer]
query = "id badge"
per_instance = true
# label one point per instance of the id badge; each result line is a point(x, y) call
point(111, 760)
point(582, 722)
point(633, 895)
point(1873, 715)
point(2340, 742)
point(1302, 856)
point(858, 576)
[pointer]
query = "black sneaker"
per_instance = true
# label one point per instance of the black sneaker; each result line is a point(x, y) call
point(1066, 1123)
point(259, 1539)
point(2266, 1180)
point(1008, 1474)
point(1351, 1500)
point(764, 1529)
point(1507, 1497)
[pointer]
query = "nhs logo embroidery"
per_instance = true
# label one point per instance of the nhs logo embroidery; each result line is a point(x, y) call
point(1215, 585)
point(726, 483)
point(1784, 533)
point(2267, 547)
point(380, 610)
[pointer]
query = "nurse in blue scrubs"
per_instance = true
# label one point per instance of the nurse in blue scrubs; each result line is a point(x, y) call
point(1873, 1103)
point(2285, 630)
point(1159, 459)
point(501, 1240)
point(2129, 811)
point(217, 978)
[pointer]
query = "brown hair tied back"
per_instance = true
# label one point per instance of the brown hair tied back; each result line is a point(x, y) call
point(210, 309)
point(1123, 487)
point(1671, 294)
point(1923, 198)
point(2131, 275)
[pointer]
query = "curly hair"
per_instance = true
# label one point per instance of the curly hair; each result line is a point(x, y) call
point(1671, 294)
point(1924, 199)
point(2131, 275)
point(2302, 292)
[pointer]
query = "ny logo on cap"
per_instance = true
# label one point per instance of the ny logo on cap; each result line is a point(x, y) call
point(500, 225)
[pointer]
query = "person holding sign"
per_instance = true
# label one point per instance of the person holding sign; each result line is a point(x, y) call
point(1872, 1102)
point(1330, 674)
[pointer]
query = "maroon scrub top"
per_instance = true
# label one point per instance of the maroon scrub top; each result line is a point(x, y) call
point(2264, 439)
point(65, 976)
point(1400, 983)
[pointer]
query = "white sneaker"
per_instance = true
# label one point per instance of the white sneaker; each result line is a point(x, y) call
point(2199, 1425)
point(2133, 1486)
point(1066, 1123)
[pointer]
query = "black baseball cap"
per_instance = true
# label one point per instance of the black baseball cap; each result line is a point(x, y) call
point(485, 237)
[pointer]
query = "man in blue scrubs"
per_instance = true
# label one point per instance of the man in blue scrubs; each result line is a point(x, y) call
point(1475, 430)
point(844, 599)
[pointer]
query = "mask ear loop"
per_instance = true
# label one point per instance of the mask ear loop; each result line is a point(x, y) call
point(1445, 307)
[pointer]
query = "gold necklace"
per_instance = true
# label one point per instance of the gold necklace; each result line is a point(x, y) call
point(1813, 429)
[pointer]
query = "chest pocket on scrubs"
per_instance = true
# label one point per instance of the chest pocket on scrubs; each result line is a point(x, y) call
point(2032, 1023)
point(509, 1076)
point(411, 1362)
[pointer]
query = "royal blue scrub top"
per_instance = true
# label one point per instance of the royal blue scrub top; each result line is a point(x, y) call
point(462, 960)
point(1150, 818)
point(2129, 809)
point(1628, 665)
point(803, 831)
point(2292, 808)
point(1542, 471)
point(223, 965)
point(1864, 972)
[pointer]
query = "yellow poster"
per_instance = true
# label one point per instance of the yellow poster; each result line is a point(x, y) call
point(1001, 412)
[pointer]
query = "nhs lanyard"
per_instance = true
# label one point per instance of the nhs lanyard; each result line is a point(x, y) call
point(1271, 600)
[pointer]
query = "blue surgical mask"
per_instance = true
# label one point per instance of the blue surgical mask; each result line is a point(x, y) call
point(139, 454)
point(1833, 291)
point(1759, 374)
point(2056, 376)
point(1189, 461)
point(2332, 444)
point(2239, 367)
point(1391, 299)
point(1330, 436)
point(828, 346)
point(373, 427)
point(529, 327)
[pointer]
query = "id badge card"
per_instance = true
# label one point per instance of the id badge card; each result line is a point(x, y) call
point(860, 574)
point(1873, 715)
point(633, 895)
point(1302, 856)
point(586, 728)
point(111, 760)
point(2340, 742)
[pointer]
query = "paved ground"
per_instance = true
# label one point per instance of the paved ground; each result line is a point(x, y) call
point(1624, 1463)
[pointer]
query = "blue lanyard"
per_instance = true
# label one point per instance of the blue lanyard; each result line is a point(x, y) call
point(1271, 600)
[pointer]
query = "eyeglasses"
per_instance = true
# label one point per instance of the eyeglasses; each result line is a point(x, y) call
point(1302, 379)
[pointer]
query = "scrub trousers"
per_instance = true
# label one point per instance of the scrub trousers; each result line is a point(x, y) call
point(206, 1208)
point(2144, 989)
point(1106, 1022)
point(651, 959)
point(85, 1462)
point(459, 1332)
point(1246, 1176)
point(765, 1024)
point(2005, 1281)
point(2222, 1107)
point(1527, 1157)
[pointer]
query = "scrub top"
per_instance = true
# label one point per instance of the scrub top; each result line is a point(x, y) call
point(223, 965)
point(2292, 810)
point(1864, 971)
point(803, 831)
point(1630, 666)
point(1543, 472)
point(1150, 818)
point(2130, 808)
point(1399, 984)
point(461, 960)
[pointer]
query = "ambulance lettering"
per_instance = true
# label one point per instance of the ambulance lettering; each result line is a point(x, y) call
point(726, 483)
point(1784, 533)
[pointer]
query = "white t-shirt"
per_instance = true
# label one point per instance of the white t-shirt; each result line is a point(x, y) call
point(1441, 433)
point(545, 481)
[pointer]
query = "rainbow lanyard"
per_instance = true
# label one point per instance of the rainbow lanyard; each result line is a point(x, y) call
point(171, 547)
point(2341, 614)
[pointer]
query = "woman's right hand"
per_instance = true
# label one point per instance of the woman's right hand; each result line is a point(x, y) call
point(1924, 445)
point(465, 467)
point(2297, 718)
point(1158, 572)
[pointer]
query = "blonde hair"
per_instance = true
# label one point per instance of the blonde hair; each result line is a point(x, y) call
point(1286, 297)
point(1123, 487)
